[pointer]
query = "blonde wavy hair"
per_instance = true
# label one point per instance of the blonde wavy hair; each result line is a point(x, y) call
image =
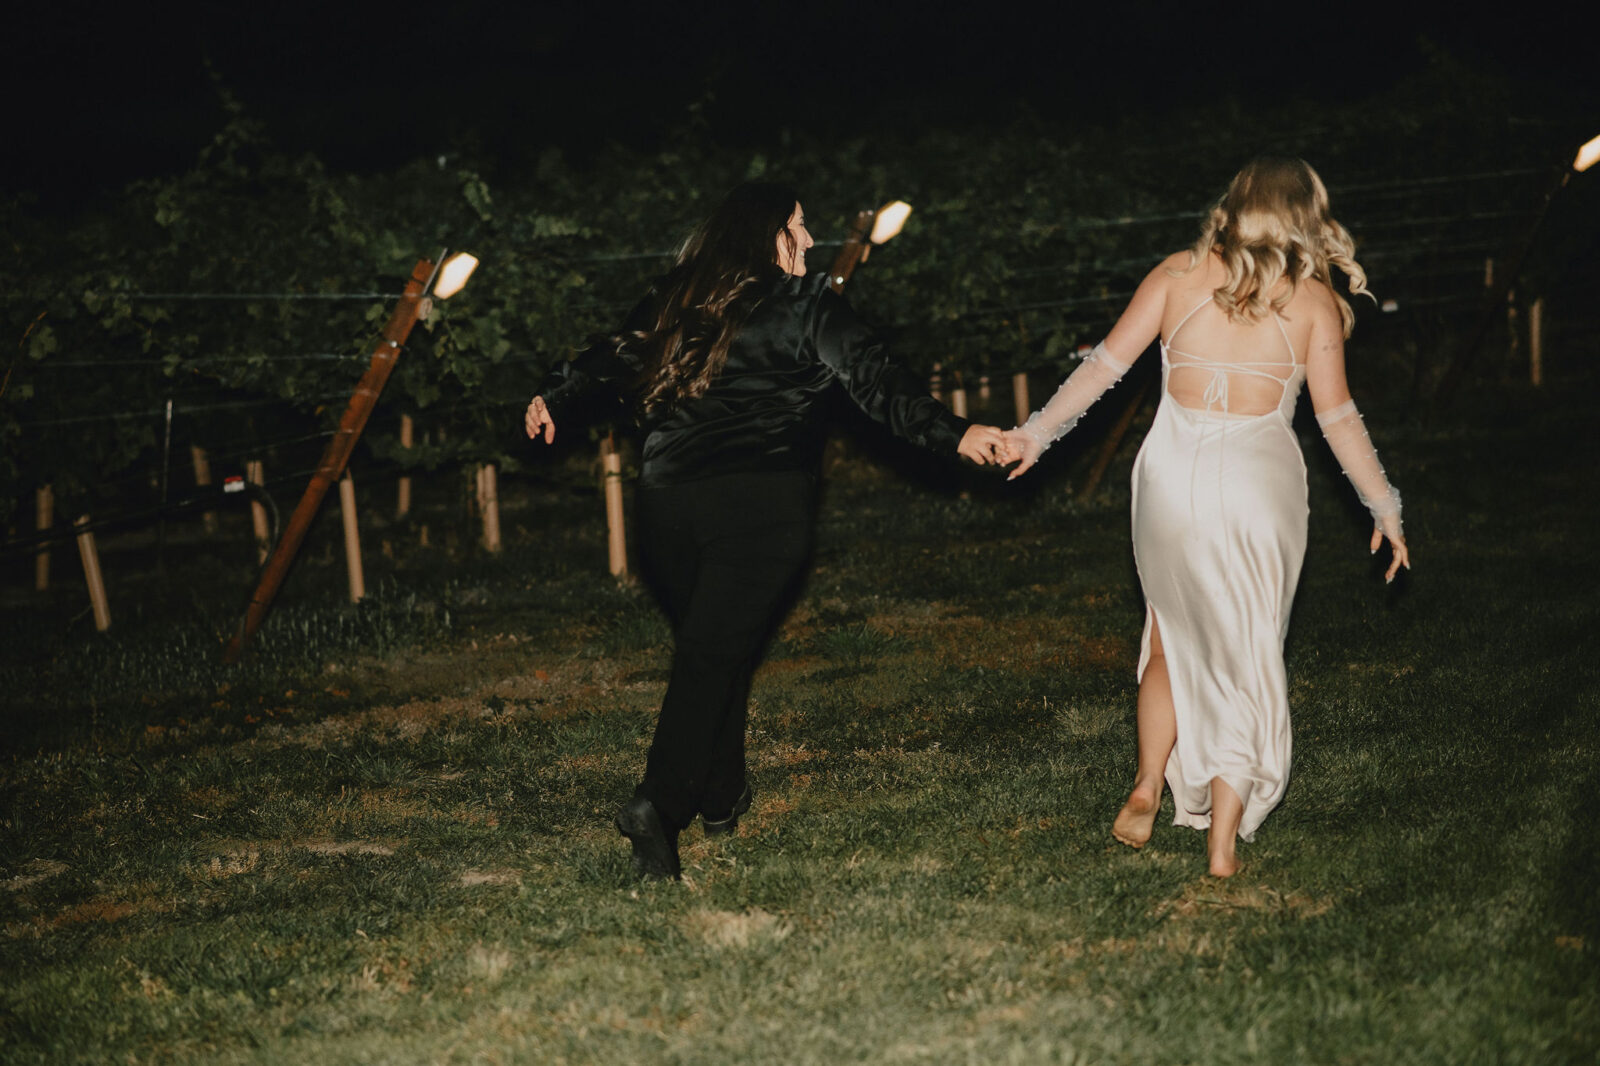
point(1273, 224)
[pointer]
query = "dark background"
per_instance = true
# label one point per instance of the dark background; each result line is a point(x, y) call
point(101, 94)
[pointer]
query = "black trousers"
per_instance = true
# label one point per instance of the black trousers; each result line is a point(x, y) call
point(725, 556)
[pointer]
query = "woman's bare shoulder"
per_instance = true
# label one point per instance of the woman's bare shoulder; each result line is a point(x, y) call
point(1176, 264)
point(1314, 299)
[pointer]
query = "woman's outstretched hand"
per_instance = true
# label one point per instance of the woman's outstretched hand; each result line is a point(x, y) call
point(1397, 543)
point(984, 445)
point(537, 418)
point(1022, 448)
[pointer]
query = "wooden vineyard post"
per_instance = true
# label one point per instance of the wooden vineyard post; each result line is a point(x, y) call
point(255, 473)
point(1108, 450)
point(1501, 281)
point(1536, 342)
point(958, 407)
point(853, 251)
point(489, 506)
point(202, 478)
point(1019, 392)
point(45, 515)
point(983, 389)
point(616, 537)
point(91, 574)
point(336, 454)
point(1513, 335)
point(402, 505)
point(936, 382)
point(352, 537)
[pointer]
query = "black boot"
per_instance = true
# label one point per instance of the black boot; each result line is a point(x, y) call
point(655, 844)
point(716, 827)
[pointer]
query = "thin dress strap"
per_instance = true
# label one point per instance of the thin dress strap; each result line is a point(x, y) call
point(1294, 360)
point(1184, 321)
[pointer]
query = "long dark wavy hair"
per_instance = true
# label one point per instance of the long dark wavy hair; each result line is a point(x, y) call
point(719, 277)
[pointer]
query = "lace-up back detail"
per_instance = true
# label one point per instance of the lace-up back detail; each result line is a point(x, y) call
point(1265, 376)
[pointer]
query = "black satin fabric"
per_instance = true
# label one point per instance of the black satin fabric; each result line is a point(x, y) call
point(765, 410)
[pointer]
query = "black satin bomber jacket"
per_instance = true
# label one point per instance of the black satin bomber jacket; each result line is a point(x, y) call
point(765, 410)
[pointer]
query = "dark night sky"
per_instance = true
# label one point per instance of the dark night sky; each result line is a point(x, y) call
point(104, 93)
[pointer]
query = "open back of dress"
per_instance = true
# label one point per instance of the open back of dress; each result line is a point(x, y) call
point(1211, 364)
point(1219, 533)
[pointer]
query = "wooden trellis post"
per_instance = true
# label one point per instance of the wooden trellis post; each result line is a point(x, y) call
point(853, 251)
point(1513, 335)
point(1536, 342)
point(616, 537)
point(489, 506)
point(91, 574)
point(1499, 280)
point(202, 478)
point(402, 505)
point(334, 457)
point(352, 538)
point(45, 515)
point(1108, 449)
point(255, 473)
point(1019, 392)
point(958, 399)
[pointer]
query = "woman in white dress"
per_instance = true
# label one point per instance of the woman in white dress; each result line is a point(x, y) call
point(1219, 490)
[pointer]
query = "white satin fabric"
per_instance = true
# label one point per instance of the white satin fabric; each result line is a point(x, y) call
point(1219, 534)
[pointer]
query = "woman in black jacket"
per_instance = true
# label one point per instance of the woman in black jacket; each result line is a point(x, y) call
point(727, 360)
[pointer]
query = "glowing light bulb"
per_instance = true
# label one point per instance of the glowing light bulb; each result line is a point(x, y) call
point(890, 218)
point(454, 273)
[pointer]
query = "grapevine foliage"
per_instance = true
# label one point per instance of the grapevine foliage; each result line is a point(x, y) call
point(1026, 239)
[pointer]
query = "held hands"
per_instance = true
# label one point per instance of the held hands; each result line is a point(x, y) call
point(537, 418)
point(984, 445)
point(1024, 449)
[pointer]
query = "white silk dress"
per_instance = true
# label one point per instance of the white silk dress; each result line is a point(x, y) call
point(1219, 534)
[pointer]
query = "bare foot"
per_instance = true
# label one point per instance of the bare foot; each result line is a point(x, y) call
point(1137, 819)
point(1226, 811)
point(1224, 863)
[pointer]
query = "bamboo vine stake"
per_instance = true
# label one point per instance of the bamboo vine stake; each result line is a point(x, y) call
point(352, 537)
point(1019, 392)
point(402, 505)
point(254, 472)
point(202, 478)
point(91, 575)
point(489, 506)
point(45, 515)
point(616, 537)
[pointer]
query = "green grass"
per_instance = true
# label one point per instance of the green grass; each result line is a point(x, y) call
point(386, 838)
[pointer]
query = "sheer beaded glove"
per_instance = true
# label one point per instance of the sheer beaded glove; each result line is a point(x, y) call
point(1098, 372)
point(1347, 435)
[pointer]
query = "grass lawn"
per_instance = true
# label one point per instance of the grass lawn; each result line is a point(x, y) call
point(387, 838)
